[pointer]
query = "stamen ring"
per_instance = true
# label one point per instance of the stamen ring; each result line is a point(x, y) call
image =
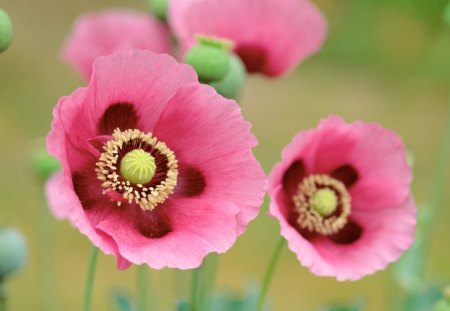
point(147, 196)
point(309, 218)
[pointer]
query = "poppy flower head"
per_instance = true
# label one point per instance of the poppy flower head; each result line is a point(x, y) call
point(342, 197)
point(139, 148)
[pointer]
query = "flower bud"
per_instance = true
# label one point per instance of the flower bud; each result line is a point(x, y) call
point(231, 86)
point(159, 8)
point(13, 251)
point(44, 164)
point(210, 58)
point(6, 31)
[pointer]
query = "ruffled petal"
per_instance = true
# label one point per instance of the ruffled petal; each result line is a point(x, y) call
point(293, 30)
point(64, 204)
point(103, 33)
point(198, 227)
point(386, 234)
point(212, 143)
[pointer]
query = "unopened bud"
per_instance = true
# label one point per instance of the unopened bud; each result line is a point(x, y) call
point(6, 31)
point(13, 251)
point(43, 164)
point(159, 8)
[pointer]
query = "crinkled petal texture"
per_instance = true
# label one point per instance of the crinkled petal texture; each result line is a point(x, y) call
point(220, 185)
point(371, 161)
point(271, 37)
point(105, 32)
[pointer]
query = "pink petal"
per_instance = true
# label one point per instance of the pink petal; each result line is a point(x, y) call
point(64, 204)
point(207, 133)
point(199, 227)
point(292, 30)
point(387, 233)
point(105, 32)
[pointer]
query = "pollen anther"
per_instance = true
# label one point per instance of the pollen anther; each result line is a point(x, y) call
point(157, 188)
point(326, 220)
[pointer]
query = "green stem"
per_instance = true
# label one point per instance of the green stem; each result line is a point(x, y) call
point(209, 276)
point(195, 288)
point(3, 297)
point(90, 279)
point(269, 274)
point(142, 287)
point(45, 257)
point(438, 184)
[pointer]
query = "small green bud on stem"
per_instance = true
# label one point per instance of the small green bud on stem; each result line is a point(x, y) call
point(6, 31)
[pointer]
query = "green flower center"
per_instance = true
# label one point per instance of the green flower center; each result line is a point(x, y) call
point(138, 167)
point(324, 201)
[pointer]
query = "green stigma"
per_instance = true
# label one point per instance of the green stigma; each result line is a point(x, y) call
point(324, 201)
point(138, 167)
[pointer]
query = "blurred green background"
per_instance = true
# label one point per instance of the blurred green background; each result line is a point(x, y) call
point(385, 60)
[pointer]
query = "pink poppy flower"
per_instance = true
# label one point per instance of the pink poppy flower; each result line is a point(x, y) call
point(105, 32)
point(156, 168)
point(271, 37)
point(342, 196)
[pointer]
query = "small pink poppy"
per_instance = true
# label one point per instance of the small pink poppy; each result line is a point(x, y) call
point(271, 37)
point(156, 168)
point(342, 196)
point(103, 33)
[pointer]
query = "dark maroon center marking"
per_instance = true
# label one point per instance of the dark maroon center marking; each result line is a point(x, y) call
point(191, 181)
point(347, 235)
point(120, 115)
point(346, 174)
point(293, 177)
point(152, 224)
point(252, 56)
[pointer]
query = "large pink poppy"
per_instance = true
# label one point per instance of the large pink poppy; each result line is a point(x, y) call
point(156, 168)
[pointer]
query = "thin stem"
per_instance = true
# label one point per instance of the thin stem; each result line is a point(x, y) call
point(3, 297)
point(269, 274)
point(90, 279)
point(209, 276)
point(45, 257)
point(195, 288)
point(439, 182)
point(142, 279)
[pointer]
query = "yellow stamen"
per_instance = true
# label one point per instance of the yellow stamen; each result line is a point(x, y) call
point(323, 204)
point(134, 190)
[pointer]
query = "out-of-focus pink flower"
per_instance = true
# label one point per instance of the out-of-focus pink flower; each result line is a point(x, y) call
point(342, 196)
point(204, 185)
point(271, 37)
point(105, 32)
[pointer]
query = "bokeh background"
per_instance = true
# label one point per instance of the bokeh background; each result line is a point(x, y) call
point(384, 60)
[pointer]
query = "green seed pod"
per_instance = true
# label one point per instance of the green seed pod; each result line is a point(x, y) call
point(13, 251)
point(6, 31)
point(159, 8)
point(43, 164)
point(231, 86)
point(210, 58)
